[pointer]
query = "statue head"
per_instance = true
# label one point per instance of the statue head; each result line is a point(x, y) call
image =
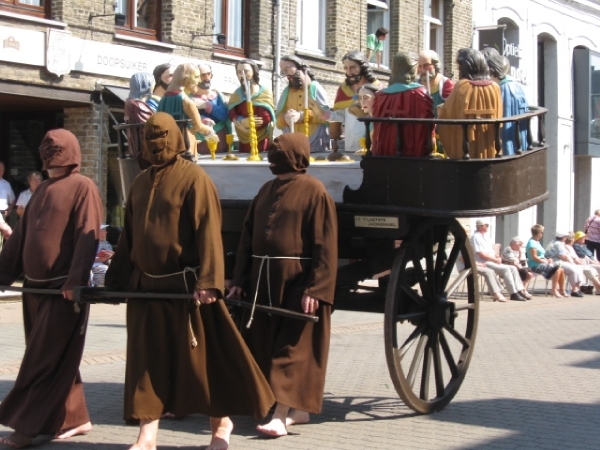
point(498, 64)
point(357, 67)
point(141, 85)
point(206, 76)
point(249, 69)
point(162, 75)
point(293, 69)
point(366, 97)
point(428, 64)
point(185, 78)
point(471, 65)
point(404, 69)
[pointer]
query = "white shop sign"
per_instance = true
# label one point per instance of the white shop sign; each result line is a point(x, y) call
point(101, 58)
point(22, 46)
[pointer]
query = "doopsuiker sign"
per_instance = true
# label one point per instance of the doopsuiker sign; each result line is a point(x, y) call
point(114, 60)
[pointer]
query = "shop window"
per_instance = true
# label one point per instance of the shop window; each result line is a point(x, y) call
point(231, 21)
point(586, 87)
point(433, 37)
point(142, 17)
point(38, 8)
point(310, 26)
point(378, 16)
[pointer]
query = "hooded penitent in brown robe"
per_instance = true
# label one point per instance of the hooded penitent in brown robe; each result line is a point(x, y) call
point(471, 99)
point(181, 358)
point(54, 244)
point(292, 218)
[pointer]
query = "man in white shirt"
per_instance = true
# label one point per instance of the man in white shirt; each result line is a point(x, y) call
point(484, 253)
point(7, 195)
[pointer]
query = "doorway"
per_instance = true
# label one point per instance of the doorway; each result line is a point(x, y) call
point(20, 138)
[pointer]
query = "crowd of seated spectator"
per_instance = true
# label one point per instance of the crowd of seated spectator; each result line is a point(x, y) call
point(566, 258)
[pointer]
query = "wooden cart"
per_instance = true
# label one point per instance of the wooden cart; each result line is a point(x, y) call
point(403, 219)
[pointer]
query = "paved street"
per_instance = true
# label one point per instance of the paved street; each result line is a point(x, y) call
point(532, 384)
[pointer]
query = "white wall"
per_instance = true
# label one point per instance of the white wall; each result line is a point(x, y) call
point(568, 24)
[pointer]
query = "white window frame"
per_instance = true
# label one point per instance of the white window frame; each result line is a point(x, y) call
point(384, 8)
point(304, 30)
point(430, 22)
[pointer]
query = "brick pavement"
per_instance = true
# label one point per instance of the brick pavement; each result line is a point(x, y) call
point(532, 384)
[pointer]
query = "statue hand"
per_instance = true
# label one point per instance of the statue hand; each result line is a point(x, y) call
point(356, 110)
point(244, 123)
point(212, 137)
point(258, 121)
point(292, 116)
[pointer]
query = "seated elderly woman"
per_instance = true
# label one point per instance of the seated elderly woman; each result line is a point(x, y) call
point(537, 262)
point(574, 273)
point(404, 98)
point(514, 102)
point(583, 251)
point(590, 270)
point(475, 96)
point(512, 255)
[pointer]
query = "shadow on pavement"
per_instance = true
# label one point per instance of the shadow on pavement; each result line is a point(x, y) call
point(591, 344)
point(528, 421)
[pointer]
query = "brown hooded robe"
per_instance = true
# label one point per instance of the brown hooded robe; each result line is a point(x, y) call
point(55, 239)
point(173, 222)
point(290, 218)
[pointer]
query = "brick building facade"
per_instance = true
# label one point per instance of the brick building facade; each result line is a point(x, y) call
point(63, 61)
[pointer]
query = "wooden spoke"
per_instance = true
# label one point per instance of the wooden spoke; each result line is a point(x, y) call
point(437, 367)
point(448, 354)
point(459, 337)
point(417, 358)
point(419, 319)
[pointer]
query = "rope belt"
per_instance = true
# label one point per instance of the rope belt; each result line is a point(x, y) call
point(193, 270)
point(262, 263)
point(76, 307)
point(62, 277)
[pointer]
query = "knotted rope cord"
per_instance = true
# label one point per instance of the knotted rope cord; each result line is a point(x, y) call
point(47, 279)
point(260, 268)
point(62, 277)
point(194, 341)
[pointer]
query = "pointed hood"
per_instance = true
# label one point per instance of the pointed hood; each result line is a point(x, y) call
point(60, 148)
point(163, 139)
point(289, 152)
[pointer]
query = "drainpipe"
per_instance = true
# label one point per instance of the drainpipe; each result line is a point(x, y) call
point(276, 78)
point(101, 158)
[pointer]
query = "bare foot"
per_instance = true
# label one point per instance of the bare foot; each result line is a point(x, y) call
point(296, 417)
point(275, 428)
point(81, 429)
point(16, 440)
point(221, 431)
point(146, 446)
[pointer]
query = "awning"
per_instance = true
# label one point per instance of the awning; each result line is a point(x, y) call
point(15, 97)
point(120, 92)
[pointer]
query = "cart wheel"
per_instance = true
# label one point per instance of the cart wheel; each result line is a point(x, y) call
point(429, 340)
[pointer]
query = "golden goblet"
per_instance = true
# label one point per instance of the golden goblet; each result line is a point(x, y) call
point(212, 146)
point(335, 133)
point(230, 156)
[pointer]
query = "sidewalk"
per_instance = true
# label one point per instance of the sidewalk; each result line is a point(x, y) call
point(532, 384)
